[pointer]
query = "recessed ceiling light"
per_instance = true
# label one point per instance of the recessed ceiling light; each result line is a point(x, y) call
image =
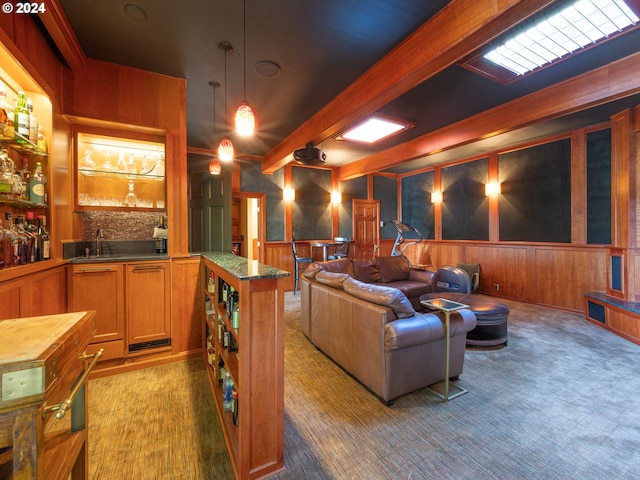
point(374, 128)
point(580, 24)
point(135, 13)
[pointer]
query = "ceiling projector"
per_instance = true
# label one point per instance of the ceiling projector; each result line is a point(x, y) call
point(309, 155)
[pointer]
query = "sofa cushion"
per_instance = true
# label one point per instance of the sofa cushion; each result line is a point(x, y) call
point(331, 279)
point(393, 269)
point(411, 289)
point(380, 295)
point(366, 271)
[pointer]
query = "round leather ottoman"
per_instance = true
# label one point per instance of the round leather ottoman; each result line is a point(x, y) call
point(492, 316)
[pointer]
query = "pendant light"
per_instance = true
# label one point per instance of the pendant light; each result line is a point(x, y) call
point(225, 147)
point(245, 120)
point(215, 167)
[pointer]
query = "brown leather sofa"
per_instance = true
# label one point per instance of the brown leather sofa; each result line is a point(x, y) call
point(373, 331)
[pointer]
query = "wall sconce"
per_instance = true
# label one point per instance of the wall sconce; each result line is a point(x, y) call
point(436, 197)
point(289, 194)
point(492, 188)
point(336, 197)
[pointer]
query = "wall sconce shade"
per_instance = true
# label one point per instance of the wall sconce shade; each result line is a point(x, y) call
point(215, 167)
point(336, 197)
point(492, 188)
point(289, 194)
point(436, 197)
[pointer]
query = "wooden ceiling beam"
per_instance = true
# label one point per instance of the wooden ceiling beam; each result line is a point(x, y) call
point(610, 82)
point(453, 33)
point(57, 24)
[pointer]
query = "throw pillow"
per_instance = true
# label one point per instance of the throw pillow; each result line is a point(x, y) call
point(366, 271)
point(393, 269)
point(380, 295)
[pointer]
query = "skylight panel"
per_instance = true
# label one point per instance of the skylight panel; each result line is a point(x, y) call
point(577, 26)
point(372, 130)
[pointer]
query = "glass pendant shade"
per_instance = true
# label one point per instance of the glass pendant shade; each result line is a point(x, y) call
point(225, 149)
point(245, 120)
point(215, 167)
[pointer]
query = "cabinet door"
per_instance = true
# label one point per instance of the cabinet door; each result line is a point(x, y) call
point(100, 288)
point(148, 307)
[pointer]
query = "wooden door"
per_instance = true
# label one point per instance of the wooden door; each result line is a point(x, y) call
point(209, 213)
point(366, 228)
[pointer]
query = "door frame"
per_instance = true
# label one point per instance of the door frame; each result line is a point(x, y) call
point(262, 222)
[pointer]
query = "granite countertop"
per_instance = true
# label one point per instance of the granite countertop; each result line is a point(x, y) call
point(242, 268)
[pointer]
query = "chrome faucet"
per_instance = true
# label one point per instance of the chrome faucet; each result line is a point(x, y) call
point(99, 237)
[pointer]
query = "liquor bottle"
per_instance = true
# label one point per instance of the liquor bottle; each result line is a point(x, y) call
point(1, 245)
point(36, 185)
point(211, 284)
point(42, 140)
point(23, 253)
point(227, 392)
point(25, 175)
point(33, 123)
point(236, 413)
point(44, 240)
point(161, 237)
point(4, 108)
point(21, 120)
point(32, 231)
point(235, 314)
point(9, 242)
point(6, 172)
point(9, 129)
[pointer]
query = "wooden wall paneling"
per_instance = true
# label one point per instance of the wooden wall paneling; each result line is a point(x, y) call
point(177, 191)
point(502, 265)
point(563, 275)
point(620, 145)
point(11, 294)
point(493, 177)
point(126, 95)
point(579, 187)
point(279, 255)
point(623, 324)
point(48, 292)
point(437, 221)
point(187, 308)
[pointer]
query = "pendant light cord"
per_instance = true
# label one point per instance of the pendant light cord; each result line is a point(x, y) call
point(244, 44)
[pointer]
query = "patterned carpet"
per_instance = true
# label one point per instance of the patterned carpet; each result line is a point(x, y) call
point(559, 402)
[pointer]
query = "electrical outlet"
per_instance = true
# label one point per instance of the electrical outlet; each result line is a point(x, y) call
point(496, 286)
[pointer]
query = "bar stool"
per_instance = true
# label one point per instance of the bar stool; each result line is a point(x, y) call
point(342, 250)
point(296, 263)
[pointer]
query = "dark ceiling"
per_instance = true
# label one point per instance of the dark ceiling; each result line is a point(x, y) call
point(321, 47)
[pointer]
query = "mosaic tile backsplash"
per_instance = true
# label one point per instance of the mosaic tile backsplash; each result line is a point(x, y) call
point(119, 225)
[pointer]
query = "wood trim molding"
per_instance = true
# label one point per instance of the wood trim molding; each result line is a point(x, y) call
point(58, 26)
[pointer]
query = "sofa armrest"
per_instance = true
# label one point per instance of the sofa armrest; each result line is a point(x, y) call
point(426, 328)
point(425, 276)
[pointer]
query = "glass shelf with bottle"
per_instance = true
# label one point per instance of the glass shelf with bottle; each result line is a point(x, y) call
point(119, 172)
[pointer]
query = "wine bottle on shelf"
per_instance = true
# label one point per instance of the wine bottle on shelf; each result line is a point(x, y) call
point(44, 240)
point(236, 414)
point(36, 185)
point(33, 122)
point(21, 120)
point(227, 392)
point(161, 233)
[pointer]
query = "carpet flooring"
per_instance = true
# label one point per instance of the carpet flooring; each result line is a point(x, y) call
point(561, 401)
